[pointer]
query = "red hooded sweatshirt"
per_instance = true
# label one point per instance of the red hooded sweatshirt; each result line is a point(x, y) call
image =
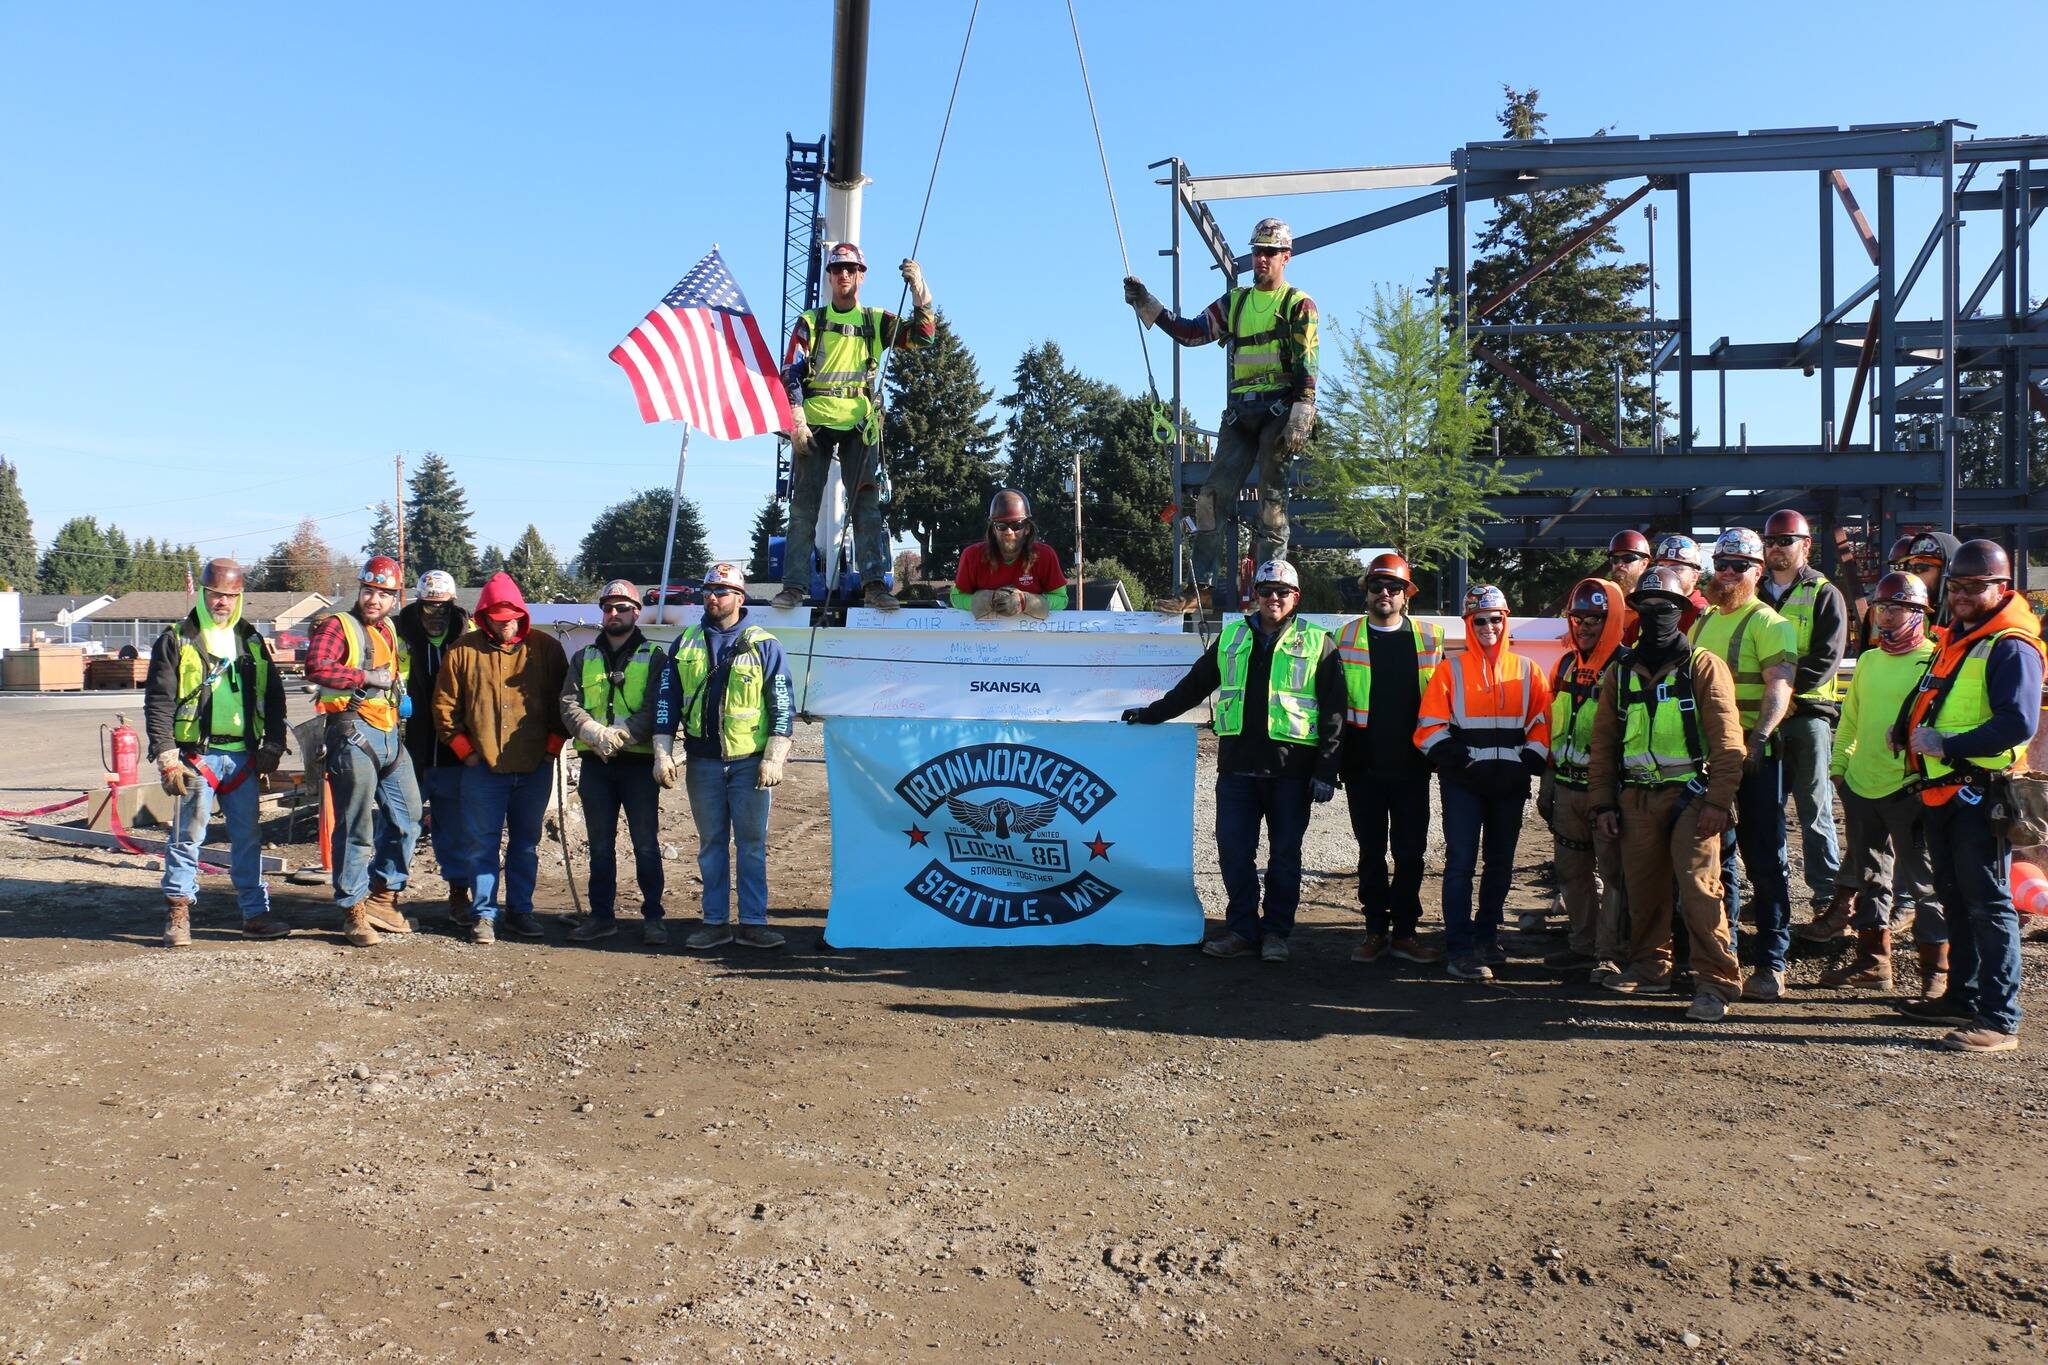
point(502, 702)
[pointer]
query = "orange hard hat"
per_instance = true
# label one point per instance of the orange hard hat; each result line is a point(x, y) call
point(1391, 565)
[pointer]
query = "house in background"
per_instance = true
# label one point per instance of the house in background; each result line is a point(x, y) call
point(139, 617)
point(57, 616)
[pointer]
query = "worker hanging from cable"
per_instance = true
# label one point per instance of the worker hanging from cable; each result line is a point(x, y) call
point(1270, 333)
point(832, 368)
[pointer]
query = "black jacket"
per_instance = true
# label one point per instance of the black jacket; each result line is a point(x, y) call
point(420, 742)
point(160, 689)
point(1252, 750)
point(1823, 656)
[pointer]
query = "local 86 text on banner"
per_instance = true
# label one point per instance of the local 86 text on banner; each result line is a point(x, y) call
point(974, 833)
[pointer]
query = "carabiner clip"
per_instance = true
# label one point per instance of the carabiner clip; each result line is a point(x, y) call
point(1162, 426)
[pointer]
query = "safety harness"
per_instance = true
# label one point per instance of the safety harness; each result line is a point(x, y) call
point(240, 671)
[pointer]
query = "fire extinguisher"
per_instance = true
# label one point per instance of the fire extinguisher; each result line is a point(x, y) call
point(125, 747)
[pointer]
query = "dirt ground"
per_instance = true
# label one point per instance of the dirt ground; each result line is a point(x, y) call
point(296, 1151)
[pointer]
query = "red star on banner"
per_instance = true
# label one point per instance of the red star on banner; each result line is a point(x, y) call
point(1099, 847)
point(916, 835)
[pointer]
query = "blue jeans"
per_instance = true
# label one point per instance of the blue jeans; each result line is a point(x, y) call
point(376, 814)
point(1242, 802)
point(731, 813)
point(1476, 824)
point(245, 841)
point(1806, 744)
point(1970, 874)
point(1759, 835)
point(627, 783)
point(441, 790)
point(501, 805)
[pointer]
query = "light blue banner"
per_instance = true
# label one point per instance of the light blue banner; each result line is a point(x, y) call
point(975, 833)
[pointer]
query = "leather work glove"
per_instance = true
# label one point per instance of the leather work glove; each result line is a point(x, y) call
point(377, 679)
point(1300, 418)
point(620, 738)
point(596, 736)
point(1005, 602)
point(1135, 715)
point(773, 757)
point(799, 434)
point(175, 776)
point(665, 761)
point(1320, 791)
point(266, 760)
point(913, 275)
point(1140, 298)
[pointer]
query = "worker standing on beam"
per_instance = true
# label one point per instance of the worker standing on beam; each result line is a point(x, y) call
point(832, 369)
point(1820, 624)
point(1760, 649)
point(1269, 331)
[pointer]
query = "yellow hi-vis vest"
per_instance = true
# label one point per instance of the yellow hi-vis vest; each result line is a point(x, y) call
point(1724, 633)
point(1964, 707)
point(377, 708)
point(1661, 740)
point(1291, 713)
point(743, 719)
point(220, 701)
point(1797, 607)
point(612, 697)
point(1261, 339)
point(1572, 704)
point(1354, 651)
point(845, 355)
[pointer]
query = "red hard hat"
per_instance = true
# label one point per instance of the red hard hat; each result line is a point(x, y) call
point(1897, 589)
point(1787, 522)
point(1588, 599)
point(1391, 566)
point(1628, 542)
point(381, 571)
point(1980, 559)
point(221, 575)
point(1902, 548)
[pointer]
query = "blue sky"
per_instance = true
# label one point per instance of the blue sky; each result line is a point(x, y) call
point(253, 252)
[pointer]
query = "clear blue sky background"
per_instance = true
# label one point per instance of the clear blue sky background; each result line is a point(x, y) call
point(252, 252)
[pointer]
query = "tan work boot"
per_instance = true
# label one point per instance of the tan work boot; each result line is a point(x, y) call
point(1933, 970)
point(1871, 966)
point(177, 922)
point(1764, 985)
point(381, 906)
point(1832, 923)
point(878, 596)
point(786, 600)
point(1196, 597)
point(355, 924)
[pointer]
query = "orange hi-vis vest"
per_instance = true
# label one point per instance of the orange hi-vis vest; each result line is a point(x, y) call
point(1496, 707)
point(380, 644)
point(1952, 698)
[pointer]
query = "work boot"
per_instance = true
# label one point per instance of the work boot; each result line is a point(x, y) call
point(1979, 1040)
point(786, 599)
point(1764, 985)
point(482, 931)
point(758, 936)
point(709, 936)
point(653, 933)
point(1933, 970)
point(1872, 965)
point(1833, 923)
point(1493, 955)
point(355, 924)
point(1569, 959)
point(177, 922)
point(1631, 982)
point(1196, 597)
point(594, 929)
point(381, 905)
point(524, 923)
point(1605, 969)
point(1229, 945)
point(458, 906)
point(878, 596)
point(1939, 1010)
point(1707, 1008)
point(1412, 949)
point(1273, 948)
point(1372, 950)
point(265, 925)
point(1469, 967)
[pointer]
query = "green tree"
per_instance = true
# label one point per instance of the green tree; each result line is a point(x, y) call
point(941, 448)
point(1126, 483)
point(162, 568)
point(770, 521)
point(626, 541)
point(17, 533)
point(80, 561)
point(1049, 423)
point(437, 522)
point(1101, 570)
point(124, 559)
point(304, 563)
point(491, 562)
point(534, 568)
point(1394, 458)
point(383, 535)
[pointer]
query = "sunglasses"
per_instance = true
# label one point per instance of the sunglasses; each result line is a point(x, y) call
point(1734, 566)
point(1975, 585)
point(1489, 620)
point(1264, 251)
point(618, 608)
point(842, 270)
point(1626, 557)
point(1274, 590)
point(1390, 586)
point(1020, 525)
point(1780, 542)
point(721, 592)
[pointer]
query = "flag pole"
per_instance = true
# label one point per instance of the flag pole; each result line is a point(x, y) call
point(668, 547)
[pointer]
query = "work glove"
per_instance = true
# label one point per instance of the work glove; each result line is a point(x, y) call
point(913, 275)
point(620, 738)
point(1140, 298)
point(1135, 715)
point(799, 435)
point(596, 736)
point(267, 759)
point(1451, 756)
point(175, 776)
point(1536, 763)
point(1300, 417)
point(1320, 791)
point(773, 757)
point(377, 679)
point(1005, 602)
point(665, 761)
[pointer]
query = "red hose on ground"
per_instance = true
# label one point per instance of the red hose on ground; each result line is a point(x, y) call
point(41, 810)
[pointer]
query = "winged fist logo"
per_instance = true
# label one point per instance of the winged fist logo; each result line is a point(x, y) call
point(1008, 862)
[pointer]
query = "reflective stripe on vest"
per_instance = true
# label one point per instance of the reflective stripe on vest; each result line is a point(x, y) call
point(1499, 737)
point(743, 715)
point(379, 709)
point(1261, 338)
point(1967, 706)
point(1571, 722)
point(1291, 712)
point(1354, 651)
point(1656, 746)
point(845, 354)
point(609, 703)
point(1749, 685)
point(1797, 607)
point(199, 680)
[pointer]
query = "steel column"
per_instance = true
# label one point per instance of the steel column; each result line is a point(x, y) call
point(1827, 300)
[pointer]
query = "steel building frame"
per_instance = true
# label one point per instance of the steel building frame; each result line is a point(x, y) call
point(1872, 485)
point(802, 225)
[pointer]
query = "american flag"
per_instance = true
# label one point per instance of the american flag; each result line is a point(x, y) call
point(700, 358)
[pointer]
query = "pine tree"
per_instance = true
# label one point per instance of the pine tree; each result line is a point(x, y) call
point(492, 562)
point(1049, 422)
point(161, 568)
point(123, 560)
point(770, 521)
point(17, 533)
point(1126, 483)
point(941, 448)
point(80, 561)
point(437, 532)
point(534, 568)
point(383, 534)
point(626, 541)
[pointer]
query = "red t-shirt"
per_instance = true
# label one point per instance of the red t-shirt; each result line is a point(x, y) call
point(979, 572)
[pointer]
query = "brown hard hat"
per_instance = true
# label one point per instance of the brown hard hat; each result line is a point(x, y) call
point(1391, 565)
point(1629, 543)
point(1588, 599)
point(1659, 581)
point(1980, 559)
point(1898, 589)
point(1788, 522)
point(221, 575)
point(1902, 548)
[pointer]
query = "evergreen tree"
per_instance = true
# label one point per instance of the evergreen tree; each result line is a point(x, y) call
point(17, 533)
point(534, 568)
point(123, 560)
point(383, 534)
point(493, 561)
point(770, 521)
point(80, 561)
point(1049, 422)
point(626, 541)
point(437, 522)
point(304, 563)
point(941, 448)
point(162, 568)
point(1126, 483)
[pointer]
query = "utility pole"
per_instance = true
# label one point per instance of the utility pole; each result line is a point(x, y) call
point(398, 516)
point(1080, 573)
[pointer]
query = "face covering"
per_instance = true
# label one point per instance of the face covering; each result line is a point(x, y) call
point(1906, 638)
point(1658, 639)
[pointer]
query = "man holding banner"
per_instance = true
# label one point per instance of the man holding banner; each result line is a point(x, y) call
point(1279, 721)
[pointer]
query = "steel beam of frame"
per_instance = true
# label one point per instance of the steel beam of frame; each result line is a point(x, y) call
point(1684, 207)
point(1663, 327)
point(1847, 432)
point(1571, 244)
point(1261, 184)
point(1855, 211)
point(1914, 149)
point(1545, 397)
point(1358, 227)
point(1761, 466)
point(1205, 225)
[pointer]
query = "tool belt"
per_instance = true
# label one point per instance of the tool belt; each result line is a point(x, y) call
point(352, 733)
point(2015, 803)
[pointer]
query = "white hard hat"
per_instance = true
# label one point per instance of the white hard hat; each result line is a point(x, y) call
point(1278, 571)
